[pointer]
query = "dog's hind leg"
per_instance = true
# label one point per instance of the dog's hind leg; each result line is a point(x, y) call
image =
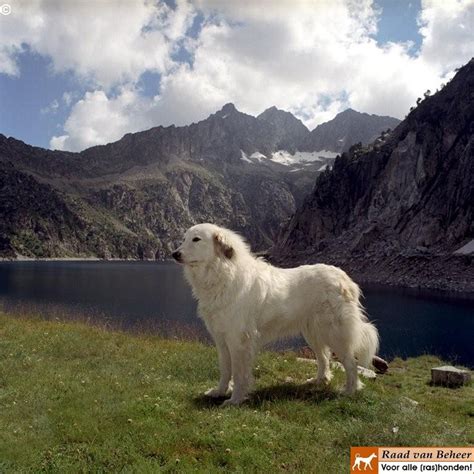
point(342, 338)
point(225, 368)
point(322, 354)
point(352, 378)
point(345, 354)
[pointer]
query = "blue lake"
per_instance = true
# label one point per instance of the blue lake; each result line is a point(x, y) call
point(154, 297)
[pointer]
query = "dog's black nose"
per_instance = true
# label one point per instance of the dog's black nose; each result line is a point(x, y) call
point(176, 255)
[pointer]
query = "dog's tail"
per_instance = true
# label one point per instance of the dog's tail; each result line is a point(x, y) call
point(366, 336)
point(368, 343)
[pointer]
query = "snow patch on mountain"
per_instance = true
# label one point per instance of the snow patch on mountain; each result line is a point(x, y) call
point(244, 157)
point(286, 158)
point(254, 157)
point(299, 158)
point(258, 156)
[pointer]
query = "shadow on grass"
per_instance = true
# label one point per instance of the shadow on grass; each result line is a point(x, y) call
point(285, 391)
point(430, 383)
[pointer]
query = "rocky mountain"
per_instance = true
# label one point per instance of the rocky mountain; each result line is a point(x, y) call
point(401, 210)
point(134, 198)
point(290, 130)
point(346, 129)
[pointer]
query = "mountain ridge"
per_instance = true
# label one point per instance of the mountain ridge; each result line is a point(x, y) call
point(133, 198)
point(346, 129)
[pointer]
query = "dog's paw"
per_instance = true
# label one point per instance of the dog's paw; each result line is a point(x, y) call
point(232, 402)
point(214, 393)
point(319, 381)
point(351, 390)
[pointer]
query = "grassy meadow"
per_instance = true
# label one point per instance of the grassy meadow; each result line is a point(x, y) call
point(76, 398)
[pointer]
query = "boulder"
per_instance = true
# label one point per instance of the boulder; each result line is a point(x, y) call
point(449, 376)
point(380, 364)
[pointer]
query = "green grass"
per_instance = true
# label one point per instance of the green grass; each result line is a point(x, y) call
point(74, 398)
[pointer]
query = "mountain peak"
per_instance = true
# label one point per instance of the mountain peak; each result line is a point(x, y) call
point(275, 115)
point(274, 112)
point(349, 111)
point(228, 108)
point(289, 129)
point(271, 110)
point(345, 129)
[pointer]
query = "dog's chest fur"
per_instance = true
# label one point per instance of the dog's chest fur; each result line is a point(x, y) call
point(217, 291)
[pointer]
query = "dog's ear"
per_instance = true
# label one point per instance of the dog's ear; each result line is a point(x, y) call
point(222, 245)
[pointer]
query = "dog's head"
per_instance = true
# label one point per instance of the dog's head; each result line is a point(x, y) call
point(203, 243)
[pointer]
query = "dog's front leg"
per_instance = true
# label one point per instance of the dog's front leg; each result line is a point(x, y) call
point(225, 369)
point(242, 355)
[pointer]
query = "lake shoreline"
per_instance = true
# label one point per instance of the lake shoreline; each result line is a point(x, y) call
point(447, 273)
point(403, 277)
point(153, 296)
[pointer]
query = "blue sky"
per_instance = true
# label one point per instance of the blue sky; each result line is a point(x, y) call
point(57, 92)
point(398, 22)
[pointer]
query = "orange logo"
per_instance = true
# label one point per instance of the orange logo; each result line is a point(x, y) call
point(364, 459)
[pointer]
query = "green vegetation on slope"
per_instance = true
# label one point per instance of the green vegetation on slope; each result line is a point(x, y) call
point(74, 398)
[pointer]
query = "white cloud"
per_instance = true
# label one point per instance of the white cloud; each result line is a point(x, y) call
point(98, 119)
point(313, 58)
point(447, 27)
point(67, 98)
point(51, 108)
point(105, 43)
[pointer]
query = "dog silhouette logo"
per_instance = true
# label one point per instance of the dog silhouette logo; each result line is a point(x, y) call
point(364, 459)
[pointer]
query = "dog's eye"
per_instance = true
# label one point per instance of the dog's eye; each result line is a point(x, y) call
point(196, 239)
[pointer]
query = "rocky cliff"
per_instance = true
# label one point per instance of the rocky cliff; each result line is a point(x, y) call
point(399, 210)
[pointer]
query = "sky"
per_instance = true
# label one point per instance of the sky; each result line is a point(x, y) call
point(78, 73)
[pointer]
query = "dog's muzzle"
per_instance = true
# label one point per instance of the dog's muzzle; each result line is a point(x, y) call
point(176, 255)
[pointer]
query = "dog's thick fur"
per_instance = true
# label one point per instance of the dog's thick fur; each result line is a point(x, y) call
point(246, 303)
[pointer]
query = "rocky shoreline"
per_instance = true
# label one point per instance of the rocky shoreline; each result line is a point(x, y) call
point(443, 273)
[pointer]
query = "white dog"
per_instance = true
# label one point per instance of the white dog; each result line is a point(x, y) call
point(246, 303)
